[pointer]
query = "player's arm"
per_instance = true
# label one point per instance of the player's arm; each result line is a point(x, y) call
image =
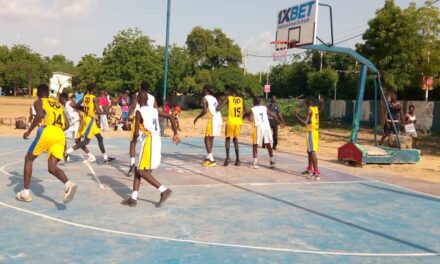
point(137, 121)
point(97, 108)
point(176, 138)
point(222, 104)
point(66, 124)
point(275, 117)
point(134, 101)
point(38, 105)
point(155, 103)
point(302, 121)
point(280, 116)
point(321, 105)
point(204, 110)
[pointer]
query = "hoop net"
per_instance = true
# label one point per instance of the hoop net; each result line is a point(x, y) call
point(280, 49)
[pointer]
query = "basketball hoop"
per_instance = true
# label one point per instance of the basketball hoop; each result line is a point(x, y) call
point(280, 49)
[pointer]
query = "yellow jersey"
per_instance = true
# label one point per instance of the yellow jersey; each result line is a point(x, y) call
point(89, 105)
point(54, 113)
point(312, 122)
point(235, 110)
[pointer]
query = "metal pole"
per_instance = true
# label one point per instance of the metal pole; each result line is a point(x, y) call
point(165, 77)
point(358, 108)
point(375, 110)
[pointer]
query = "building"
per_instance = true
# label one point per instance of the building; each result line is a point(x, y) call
point(59, 81)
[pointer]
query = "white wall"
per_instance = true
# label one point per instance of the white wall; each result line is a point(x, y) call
point(58, 82)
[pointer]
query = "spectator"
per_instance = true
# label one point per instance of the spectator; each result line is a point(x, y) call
point(124, 103)
point(104, 104)
point(410, 125)
point(274, 108)
point(166, 110)
point(176, 111)
point(79, 95)
point(396, 115)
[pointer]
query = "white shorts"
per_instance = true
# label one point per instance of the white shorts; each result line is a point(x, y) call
point(262, 134)
point(214, 127)
point(72, 131)
point(150, 156)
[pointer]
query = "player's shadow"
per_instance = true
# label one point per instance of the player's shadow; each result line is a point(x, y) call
point(347, 223)
point(36, 187)
point(121, 189)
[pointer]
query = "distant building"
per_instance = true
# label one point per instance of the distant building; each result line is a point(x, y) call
point(59, 81)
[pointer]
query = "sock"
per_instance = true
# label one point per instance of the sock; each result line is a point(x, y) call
point(69, 151)
point(132, 161)
point(271, 159)
point(316, 171)
point(309, 168)
point(255, 161)
point(134, 195)
point(162, 189)
point(211, 157)
point(26, 191)
point(90, 155)
point(66, 185)
point(105, 156)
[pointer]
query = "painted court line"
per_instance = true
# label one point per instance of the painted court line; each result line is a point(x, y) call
point(94, 175)
point(3, 168)
point(111, 231)
point(10, 152)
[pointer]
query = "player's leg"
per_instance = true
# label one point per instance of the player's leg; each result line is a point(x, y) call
point(274, 126)
point(133, 142)
point(255, 143)
point(100, 139)
point(165, 193)
point(25, 195)
point(237, 153)
point(227, 147)
point(270, 151)
point(69, 187)
point(209, 161)
point(313, 149)
point(316, 172)
point(132, 200)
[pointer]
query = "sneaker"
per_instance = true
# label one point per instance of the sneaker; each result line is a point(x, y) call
point(272, 164)
point(208, 163)
point(317, 176)
point(66, 157)
point(130, 202)
point(307, 172)
point(107, 161)
point(70, 193)
point(255, 165)
point(131, 170)
point(237, 163)
point(164, 196)
point(23, 197)
point(91, 158)
point(227, 161)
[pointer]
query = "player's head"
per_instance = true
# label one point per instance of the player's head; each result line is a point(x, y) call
point(310, 100)
point(43, 91)
point(411, 109)
point(206, 90)
point(91, 87)
point(233, 90)
point(257, 101)
point(273, 99)
point(64, 97)
point(394, 97)
point(142, 98)
point(145, 86)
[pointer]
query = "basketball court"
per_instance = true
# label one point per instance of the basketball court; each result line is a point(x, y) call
point(222, 214)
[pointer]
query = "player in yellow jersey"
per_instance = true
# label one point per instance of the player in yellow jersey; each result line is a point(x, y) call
point(50, 137)
point(312, 135)
point(236, 111)
point(89, 128)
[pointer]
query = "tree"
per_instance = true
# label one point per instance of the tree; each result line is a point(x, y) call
point(89, 69)
point(322, 82)
point(59, 63)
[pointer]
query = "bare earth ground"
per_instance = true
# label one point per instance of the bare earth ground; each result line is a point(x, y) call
point(427, 171)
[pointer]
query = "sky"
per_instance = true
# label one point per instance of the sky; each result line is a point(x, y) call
point(78, 27)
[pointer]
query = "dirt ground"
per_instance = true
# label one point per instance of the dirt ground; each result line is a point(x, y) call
point(428, 170)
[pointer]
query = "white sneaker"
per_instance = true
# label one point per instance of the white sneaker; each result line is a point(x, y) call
point(91, 158)
point(70, 192)
point(255, 166)
point(23, 197)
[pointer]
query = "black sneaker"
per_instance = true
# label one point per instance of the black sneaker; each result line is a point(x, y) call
point(227, 161)
point(107, 161)
point(130, 171)
point(237, 163)
point(272, 164)
point(130, 202)
point(164, 196)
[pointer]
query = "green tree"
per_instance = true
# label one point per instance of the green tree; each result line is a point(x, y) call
point(322, 82)
point(59, 63)
point(89, 69)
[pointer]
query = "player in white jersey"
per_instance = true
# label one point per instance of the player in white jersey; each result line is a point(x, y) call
point(145, 86)
point(262, 133)
point(209, 104)
point(150, 156)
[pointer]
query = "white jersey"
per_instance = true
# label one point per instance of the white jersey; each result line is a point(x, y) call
point(261, 118)
point(212, 106)
point(71, 114)
point(410, 128)
point(150, 103)
point(150, 155)
point(150, 118)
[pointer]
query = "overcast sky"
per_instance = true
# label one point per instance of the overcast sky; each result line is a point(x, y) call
point(78, 27)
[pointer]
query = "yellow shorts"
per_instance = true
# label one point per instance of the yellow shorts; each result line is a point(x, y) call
point(312, 140)
point(50, 139)
point(89, 128)
point(233, 131)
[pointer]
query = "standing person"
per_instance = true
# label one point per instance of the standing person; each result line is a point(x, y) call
point(104, 105)
point(79, 95)
point(274, 108)
point(176, 110)
point(89, 127)
point(311, 122)
point(124, 103)
point(50, 137)
point(396, 116)
point(236, 111)
point(410, 125)
point(147, 117)
point(151, 102)
point(209, 104)
point(259, 115)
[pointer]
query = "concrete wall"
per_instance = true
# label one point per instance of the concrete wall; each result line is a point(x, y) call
point(428, 114)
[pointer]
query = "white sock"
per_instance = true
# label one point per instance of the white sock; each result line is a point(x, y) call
point(132, 161)
point(105, 156)
point(255, 161)
point(69, 151)
point(66, 185)
point(26, 191)
point(271, 159)
point(211, 157)
point(162, 189)
point(90, 155)
point(134, 195)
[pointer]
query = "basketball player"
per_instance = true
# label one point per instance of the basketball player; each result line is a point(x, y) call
point(262, 133)
point(311, 123)
point(209, 104)
point(236, 110)
point(89, 127)
point(50, 137)
point(145, 86)
point(149, 159)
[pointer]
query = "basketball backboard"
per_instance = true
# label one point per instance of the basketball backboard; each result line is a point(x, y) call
point(297, 24)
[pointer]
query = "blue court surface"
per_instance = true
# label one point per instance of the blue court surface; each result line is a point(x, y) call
point(215, 215)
